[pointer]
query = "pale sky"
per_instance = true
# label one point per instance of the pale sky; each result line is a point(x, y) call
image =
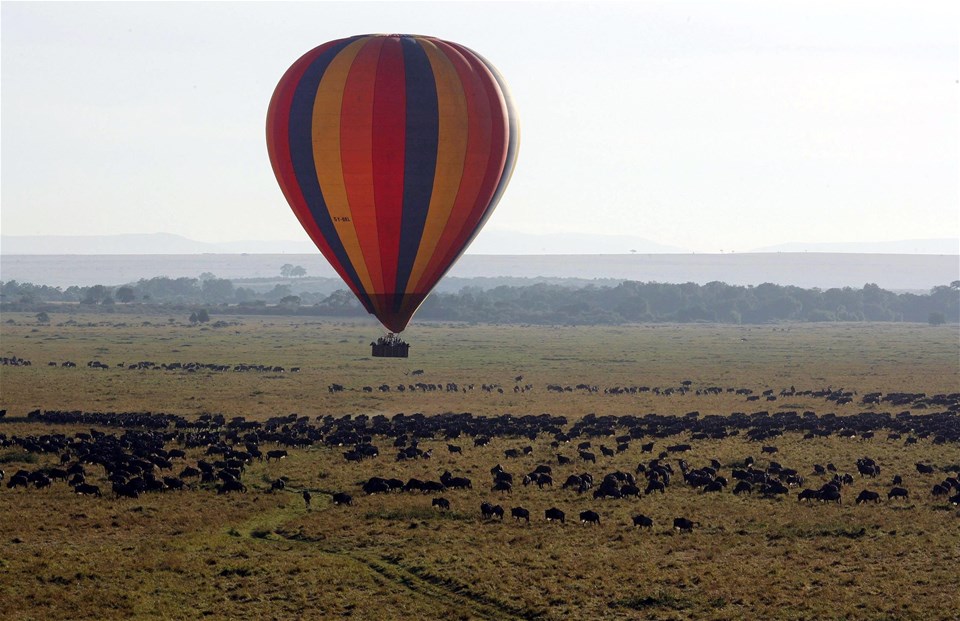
point(714, 125)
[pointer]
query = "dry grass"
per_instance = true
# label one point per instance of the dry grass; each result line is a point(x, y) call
point(194, 554)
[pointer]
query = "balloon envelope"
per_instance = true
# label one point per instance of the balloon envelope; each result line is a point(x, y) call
point(393, 151)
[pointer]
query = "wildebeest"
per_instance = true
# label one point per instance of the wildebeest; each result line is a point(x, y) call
point(829, 493)
point(231, 486)
point(654, 486)
point(276, 454)
point(807, 494)
point(278, 485)
point(589, 517)
point(341, 498)
point(489, 511)
point(867, 496)
point(898, 492)
point(18, 480)
point(684, 525)
point(519, 513)
point(442, 503)
point(553, 513)
point(125, 490)
point(743, 487)
point(376, 485)
point(587, 456)
point(453, 482)
point(85, 489)
point(642, 521)
point(924, 468)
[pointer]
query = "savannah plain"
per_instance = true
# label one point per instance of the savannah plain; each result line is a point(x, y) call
point(264, 554)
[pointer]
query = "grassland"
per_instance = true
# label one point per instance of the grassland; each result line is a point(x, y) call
point(195, 554)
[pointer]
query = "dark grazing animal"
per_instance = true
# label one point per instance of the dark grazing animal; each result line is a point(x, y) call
point(589, 517)
point(442, 503)
point(489, 511)
point(231, 485)
point(277, 454)
point(808, 494)
point(340, 498)
point(684, 525)
point(85, 489)
point(829, 493)
point(898, 492)
point(654, 486)
point(868, 496)
point(555, 514)
point(519, 513)
point(642, 521)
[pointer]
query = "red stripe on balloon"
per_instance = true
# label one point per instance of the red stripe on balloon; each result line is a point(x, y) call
point(356, 157)
point(389, 125)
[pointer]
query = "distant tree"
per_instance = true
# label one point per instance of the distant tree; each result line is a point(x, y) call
point(286, 270)
point(278, 293)
point(193, 317)
point(937, 318)
point(125, 295)
point(96, 295)
point(43, 317)
point(217, 290)
point(298, 271)
point(203, 316)
point(207, 276)
point(290, 301)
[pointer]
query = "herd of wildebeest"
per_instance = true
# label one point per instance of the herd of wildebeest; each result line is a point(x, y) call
point(139, 453)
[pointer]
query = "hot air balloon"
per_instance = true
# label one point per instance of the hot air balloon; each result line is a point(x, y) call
point(393, 151)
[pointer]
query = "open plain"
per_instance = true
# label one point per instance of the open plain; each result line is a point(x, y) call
point(769, 399)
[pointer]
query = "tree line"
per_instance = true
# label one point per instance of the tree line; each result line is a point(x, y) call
point(540, 303)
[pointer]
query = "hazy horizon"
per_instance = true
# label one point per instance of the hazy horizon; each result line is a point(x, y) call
point(487, 243)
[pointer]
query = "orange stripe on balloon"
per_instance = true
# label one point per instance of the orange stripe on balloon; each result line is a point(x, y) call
point(327, 157)
point(356, 156)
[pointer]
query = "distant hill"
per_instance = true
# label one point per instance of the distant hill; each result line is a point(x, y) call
point(489, 242)
point(147, 243)
point(904, 246)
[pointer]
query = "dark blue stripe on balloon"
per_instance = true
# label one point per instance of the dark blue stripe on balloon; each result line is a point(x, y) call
point(420, 161)
point(304, 166)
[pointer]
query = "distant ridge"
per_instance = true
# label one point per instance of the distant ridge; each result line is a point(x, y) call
point(491, 242)
point(903, 246)
point(488, 242)
point(145, 243)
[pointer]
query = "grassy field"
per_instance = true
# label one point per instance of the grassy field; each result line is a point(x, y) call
point(196, 554)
